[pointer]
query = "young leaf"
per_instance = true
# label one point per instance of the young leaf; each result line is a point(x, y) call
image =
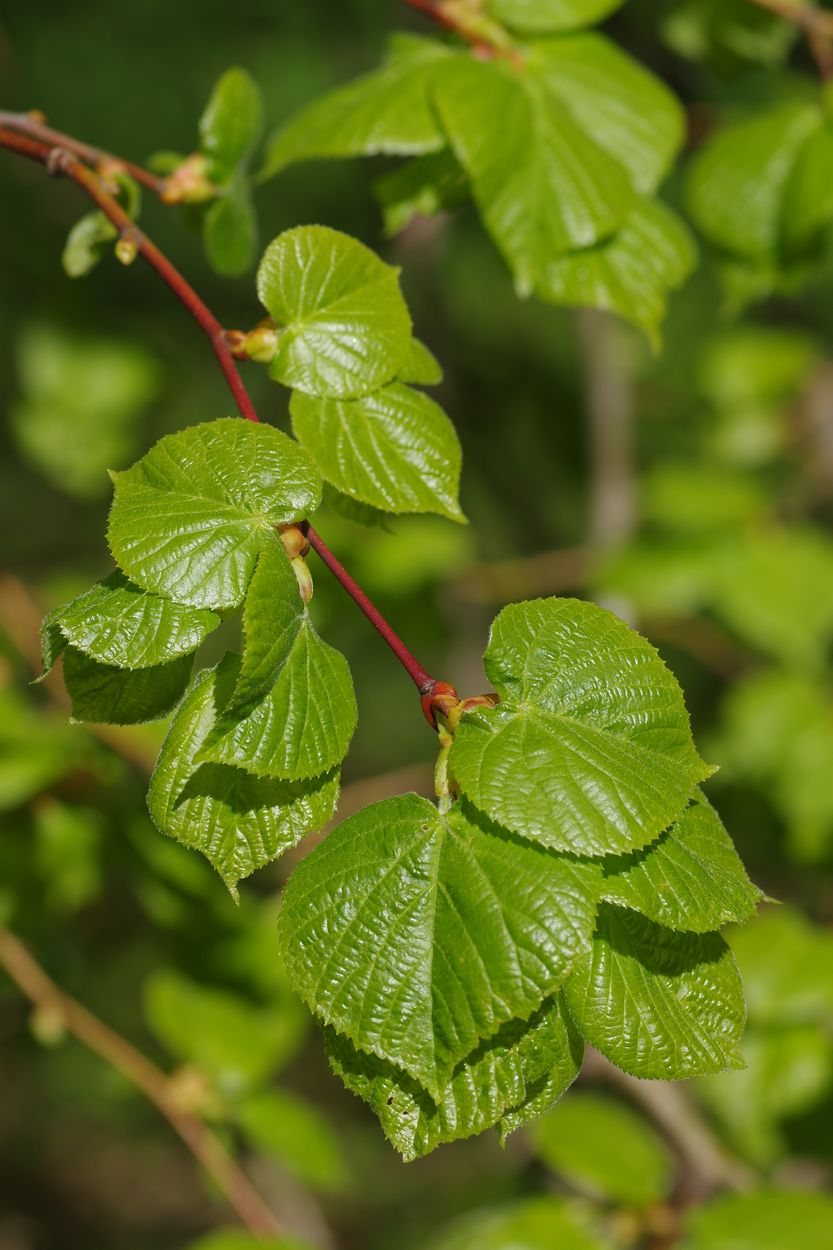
point(394, 449)
point(293, 1131)
point(808, 202)
point(238, 822)
point(692, 878)
point(499, 1076)
point(533, 16)
point(543, 185)
point(117, 623)
point(190, 518)
point(102, 693)
point(230, 230)
point(630, 274)
point(345, 328)
point(448, 930)
point(737, 183)
point(231, 124)
point(627, 110)
point(657, 1003)
point(87, 242)
point(605, 1149)
point(387, 112)
point(589, 749)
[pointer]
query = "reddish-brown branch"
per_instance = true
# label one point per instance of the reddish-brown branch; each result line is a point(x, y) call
point(60, 161)
point(30, 124)
point(98, 1037)
point(434, 12)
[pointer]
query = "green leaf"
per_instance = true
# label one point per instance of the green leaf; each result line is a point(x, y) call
point(500, 1076)
point(103, 693)
point(788, 1070)
point(236, 1044)
point(544, 15)
point(533, 1224)
point(81, 402)
point(231, 124)
point(692, 878)
point(387, 112)
point(230, 230)
point(606, 1150)
point(421, 188)
point(88, 241)
point(394, 449)
point(421, 367)
point(589, 749)
point(541, 182)
point(238, 822)
point(720, 30)
point(417, 935)
point(345, 329)
point(190, 519)
point(737, 182)
point(630, 274)
point(293, 711)
point(297, 1134)
point(701, 497)
point(117, 623)
point(628, 111)
point(775, 590)
point(808, 202)
point(772, 1220)
point(656, 1003)
point(787, 967)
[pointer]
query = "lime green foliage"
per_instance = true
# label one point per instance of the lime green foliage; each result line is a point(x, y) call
point(787, 967)
point(605, 1150)
point(395, 449)
point(759, 192)
point(450, 930)
point(190, 519)
point(345, 328)
point(235, 1044)
point(658, 1003)
point(557, 141)
point(229, 129)
point(80, 404)
point(595, 765)
point(234, 1239)
point(388, 112)
point(536, 1224)
point(771, 1220)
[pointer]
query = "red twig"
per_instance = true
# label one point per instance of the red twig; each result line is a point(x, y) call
point(60, 161)
point(29, 124)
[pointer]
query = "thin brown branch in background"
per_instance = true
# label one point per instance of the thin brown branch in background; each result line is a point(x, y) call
point(110, 1046)
point(816, 23)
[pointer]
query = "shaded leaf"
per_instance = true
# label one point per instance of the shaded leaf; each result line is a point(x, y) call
point(657, 1003)
point(421, 188)
point(230, 230)
point(103, 693)
point(297, 1134)
point(345, 329)
point(589, 749)
point(448, 931)
point(692, 878)
point(531, 1224)
point(238, 822)
point(501, 1075)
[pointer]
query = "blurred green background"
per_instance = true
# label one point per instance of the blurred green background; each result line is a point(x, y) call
point(691, 492)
